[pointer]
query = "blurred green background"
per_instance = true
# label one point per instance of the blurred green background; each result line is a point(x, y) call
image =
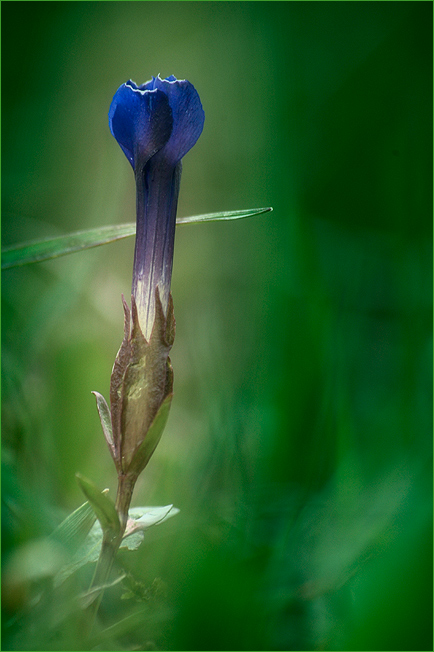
point(299, 443)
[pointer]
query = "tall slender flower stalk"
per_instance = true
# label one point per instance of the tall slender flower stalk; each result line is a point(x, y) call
point(155, 124)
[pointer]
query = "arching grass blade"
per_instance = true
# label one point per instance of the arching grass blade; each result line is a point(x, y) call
point(39, 250)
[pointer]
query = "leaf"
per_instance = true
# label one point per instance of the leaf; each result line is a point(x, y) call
point(142, 517)
point(39, 250)
point(74, 529)
point(92, 594)
point(87, 553)
point(106, 423)
point(145, 517)
point(102, 505)
point(223, 215)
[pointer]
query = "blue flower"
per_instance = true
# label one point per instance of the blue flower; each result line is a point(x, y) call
point(155, 124)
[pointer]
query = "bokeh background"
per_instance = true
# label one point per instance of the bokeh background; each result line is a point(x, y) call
point(299, 443)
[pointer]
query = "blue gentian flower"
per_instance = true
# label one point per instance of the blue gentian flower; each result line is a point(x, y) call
point(155, 124)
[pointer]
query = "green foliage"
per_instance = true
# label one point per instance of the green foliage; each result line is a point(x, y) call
point(35, 252)
point(299, 441)
point(140, 519)
point(74, 529)
point(102, 505)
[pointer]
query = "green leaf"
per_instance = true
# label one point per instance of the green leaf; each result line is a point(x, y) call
point(223, 215)
point(39, 250)
point(139, 520)
point(106, 423)
point(74, 529)
point(89, 596)
point(102, 505)
point(87, 553)
point(142, 518)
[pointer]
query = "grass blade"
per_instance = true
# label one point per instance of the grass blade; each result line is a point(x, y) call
point(39, 250)
point(223, 215)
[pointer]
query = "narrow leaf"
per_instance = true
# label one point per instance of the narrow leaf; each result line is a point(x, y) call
point(106, 423)
point(102, 505)
point(223, 215)
point(90, 596)
point(39, 250)
point(74, 529)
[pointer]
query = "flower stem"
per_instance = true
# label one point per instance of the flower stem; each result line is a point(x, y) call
point(111, 543)
point(126, 485)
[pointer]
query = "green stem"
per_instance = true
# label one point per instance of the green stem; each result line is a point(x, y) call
point(126, 485)
point(111, 543)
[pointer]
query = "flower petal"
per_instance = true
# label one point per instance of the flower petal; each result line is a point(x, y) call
point(188, 115)
point(141, 121)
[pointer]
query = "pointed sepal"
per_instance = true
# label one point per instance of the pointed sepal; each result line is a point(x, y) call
point(145, 450)
point(117, 382)
point(142, 379)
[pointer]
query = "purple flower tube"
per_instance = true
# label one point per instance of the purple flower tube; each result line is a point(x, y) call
point(155, 124)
